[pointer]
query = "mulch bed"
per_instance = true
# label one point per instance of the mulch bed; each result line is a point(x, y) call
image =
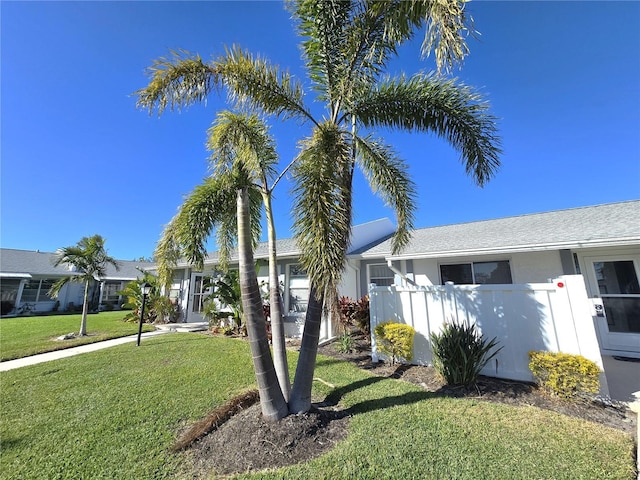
point(605, 411)
point(244, 442)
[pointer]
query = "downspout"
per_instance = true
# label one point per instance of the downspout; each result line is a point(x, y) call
point(405, 280)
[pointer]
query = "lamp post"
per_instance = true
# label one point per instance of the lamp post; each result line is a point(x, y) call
point(145, 288)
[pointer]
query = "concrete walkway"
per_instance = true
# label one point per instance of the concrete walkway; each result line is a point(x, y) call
point(69, 352)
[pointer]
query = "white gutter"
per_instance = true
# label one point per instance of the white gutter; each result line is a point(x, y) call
point(517, 248)
point(15, 275)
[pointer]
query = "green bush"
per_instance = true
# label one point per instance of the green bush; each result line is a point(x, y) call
point(564, 374)
point(395, 340)
point(460, 352)
point(345, 343)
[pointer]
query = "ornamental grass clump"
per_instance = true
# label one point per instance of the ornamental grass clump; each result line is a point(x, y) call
point(460, 352)
point(564, 374)
point(395, 340)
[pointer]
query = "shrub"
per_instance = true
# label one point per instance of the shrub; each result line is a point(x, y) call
point(395, 340)
point(564, 374)
point(355, 313)
point(361, 317)
point(460, 352)
point(345, 343)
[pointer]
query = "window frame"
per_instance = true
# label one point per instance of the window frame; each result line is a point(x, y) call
point(41, 293)
point(372, 279)
point(473, 271)
point(295, 271)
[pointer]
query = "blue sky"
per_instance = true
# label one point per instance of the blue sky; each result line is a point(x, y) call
point(77, 157)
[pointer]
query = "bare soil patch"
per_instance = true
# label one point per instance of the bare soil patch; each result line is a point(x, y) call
point(244, 442)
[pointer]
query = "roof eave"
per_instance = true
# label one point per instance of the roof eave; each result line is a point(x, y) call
point(619, 242)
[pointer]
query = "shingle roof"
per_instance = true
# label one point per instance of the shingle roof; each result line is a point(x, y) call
point(14, 261)
point(600, 225)
point(287, 247)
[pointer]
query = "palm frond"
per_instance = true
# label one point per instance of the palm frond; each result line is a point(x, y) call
point(322, 209)
point(210, 207)
point(447, 27)
point(56, 288)
point(253, 81)
point(196, 219)
point(88, 256)
point(445, 107)
point(177, 81)
point(243, 138)
point(167, 253)
point(323, 26)
point(388, 176)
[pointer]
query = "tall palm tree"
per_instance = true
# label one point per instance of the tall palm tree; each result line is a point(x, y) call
point(244, 138)
point(347, 45)
point(242, 159)
point(90, 260)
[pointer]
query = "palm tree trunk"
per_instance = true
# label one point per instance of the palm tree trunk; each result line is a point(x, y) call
point(85, 310)
point(300, 401)
point(275, 304)
point(272, 402)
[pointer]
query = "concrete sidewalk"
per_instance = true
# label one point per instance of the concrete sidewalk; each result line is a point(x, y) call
point(69, 352)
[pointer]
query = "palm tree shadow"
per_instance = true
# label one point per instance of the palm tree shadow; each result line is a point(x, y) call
point(334, 398)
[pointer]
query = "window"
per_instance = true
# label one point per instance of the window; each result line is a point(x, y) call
point(381, 275)
point(620, 290)
point(298, 289)
point(37, 290)
point(45, 286)
point(476, 273)
point(110, 292)
point(201, 290)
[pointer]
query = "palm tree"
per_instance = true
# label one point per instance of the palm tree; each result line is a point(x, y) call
point(347, 46)
point(242, 162)
point(90, 260)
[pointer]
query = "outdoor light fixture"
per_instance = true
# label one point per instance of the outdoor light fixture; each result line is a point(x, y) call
point(145, 288)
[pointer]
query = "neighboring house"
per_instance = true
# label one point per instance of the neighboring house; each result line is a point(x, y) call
point(189, 287)
point(26, 277)
point(602, 243)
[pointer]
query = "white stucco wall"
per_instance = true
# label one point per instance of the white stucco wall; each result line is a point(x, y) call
point(350, 281)
point(535, 267)
point(530, 267)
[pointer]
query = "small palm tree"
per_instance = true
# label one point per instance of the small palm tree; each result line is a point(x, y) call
point(160, 306)
point(90, 260)
point(226, 292)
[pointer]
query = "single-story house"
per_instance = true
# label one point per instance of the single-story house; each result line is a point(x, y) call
point(26, 277)
point(189, 287)
point(601, 243)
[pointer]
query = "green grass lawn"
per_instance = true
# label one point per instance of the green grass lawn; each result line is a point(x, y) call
point(114, 414)
point(24, 336)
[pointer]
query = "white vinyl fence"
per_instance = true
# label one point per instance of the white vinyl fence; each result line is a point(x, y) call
point(554, 316)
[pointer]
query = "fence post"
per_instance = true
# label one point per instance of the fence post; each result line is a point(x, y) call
point(583, 325)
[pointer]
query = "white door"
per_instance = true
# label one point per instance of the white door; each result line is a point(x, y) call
point(198, 291)
point(615, 281)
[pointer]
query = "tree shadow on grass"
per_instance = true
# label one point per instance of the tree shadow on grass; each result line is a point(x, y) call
point(366, 406)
